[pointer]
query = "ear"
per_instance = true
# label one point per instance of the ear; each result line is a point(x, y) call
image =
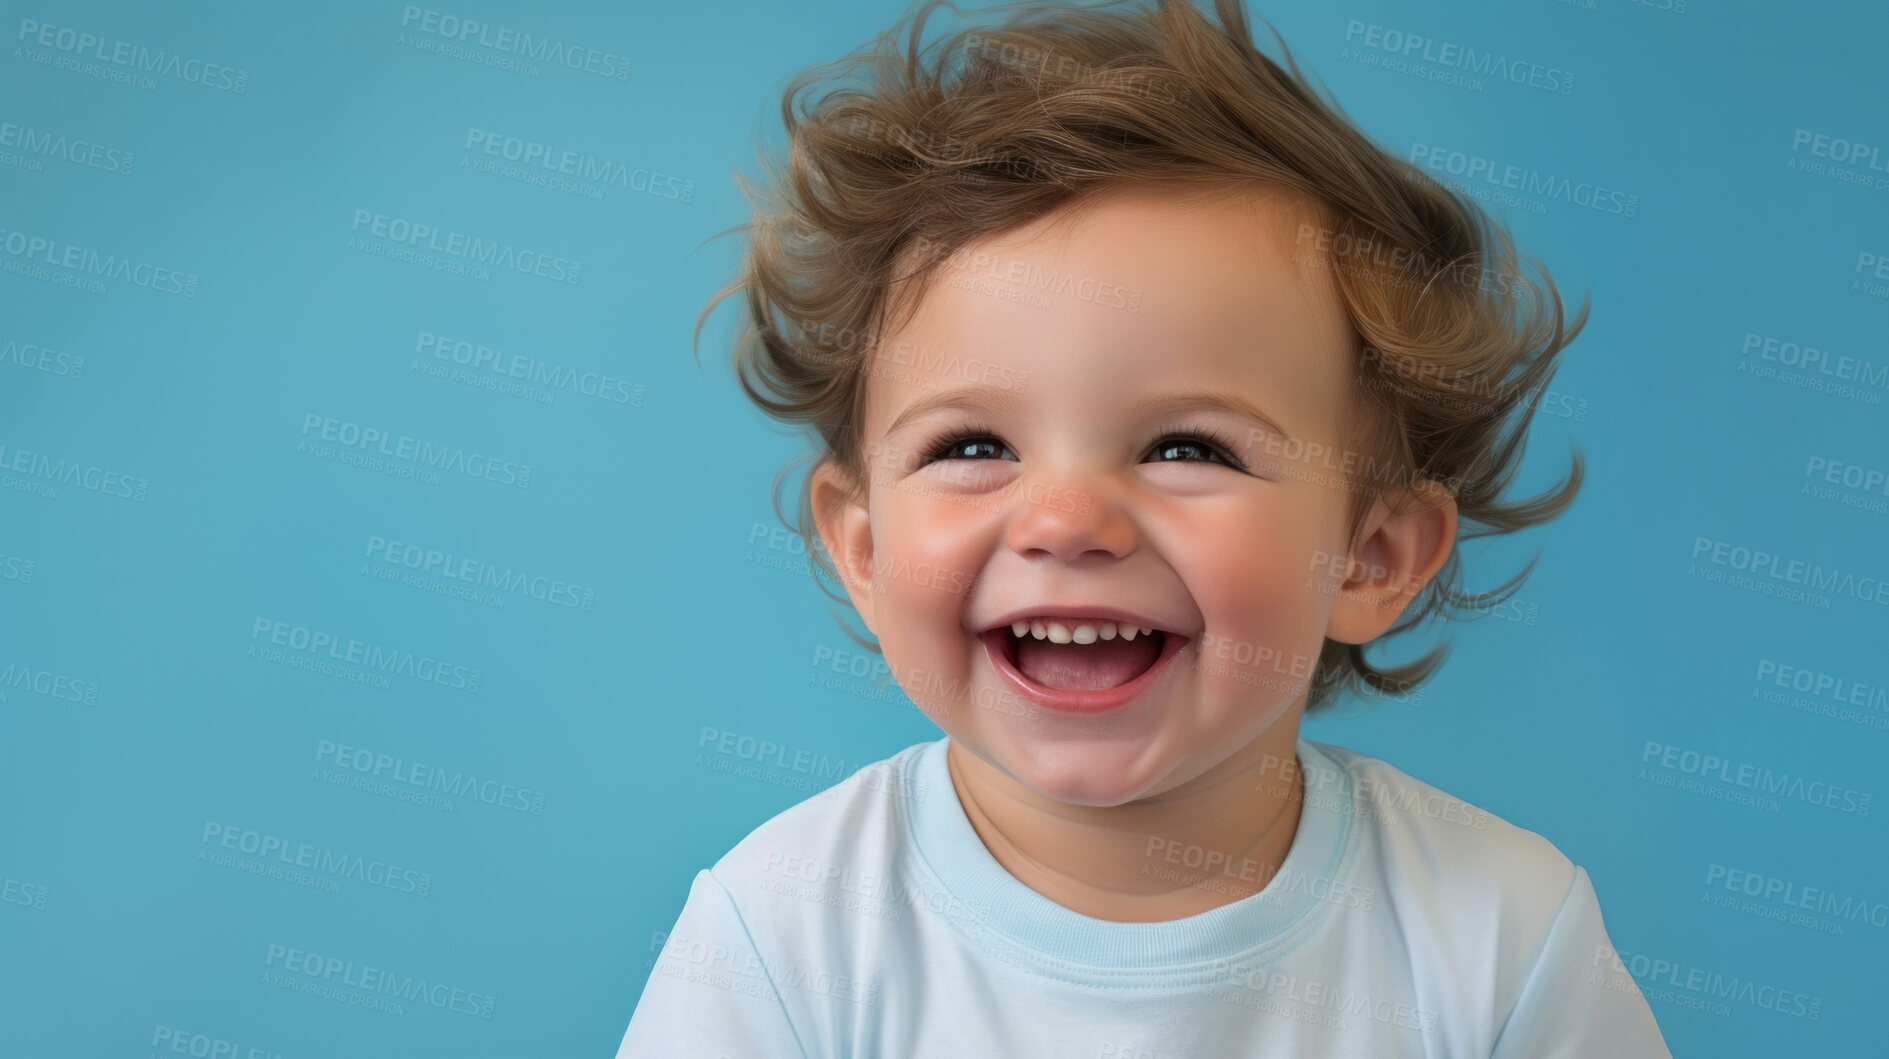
point(1396, 554)
point(839, 513)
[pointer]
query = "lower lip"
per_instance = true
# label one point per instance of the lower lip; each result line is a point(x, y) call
point(1074, 700)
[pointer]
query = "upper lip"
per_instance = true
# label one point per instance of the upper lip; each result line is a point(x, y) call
point(1071, 610)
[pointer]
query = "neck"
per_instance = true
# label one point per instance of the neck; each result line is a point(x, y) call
point(1130, 863)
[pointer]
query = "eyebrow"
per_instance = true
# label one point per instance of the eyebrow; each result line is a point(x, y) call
point(1210, 401)
point(964, 398)
point(984, 399)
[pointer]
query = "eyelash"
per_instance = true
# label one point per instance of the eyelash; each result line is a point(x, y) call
point(940, 447)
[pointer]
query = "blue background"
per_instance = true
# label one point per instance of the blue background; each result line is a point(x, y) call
point(126, 919)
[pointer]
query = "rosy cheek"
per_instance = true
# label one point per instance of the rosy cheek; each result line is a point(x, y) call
point(916, 537)
point(926, 556)
point(1254, 578)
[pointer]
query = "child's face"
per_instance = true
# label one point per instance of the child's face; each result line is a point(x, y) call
point(1093, 485)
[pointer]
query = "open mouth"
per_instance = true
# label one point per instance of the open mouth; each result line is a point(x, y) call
point(1081, 664)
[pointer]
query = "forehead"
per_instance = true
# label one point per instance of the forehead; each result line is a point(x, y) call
point(1131, 287)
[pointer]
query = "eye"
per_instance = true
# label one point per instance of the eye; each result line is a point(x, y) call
point(1195, 447)
point(973, 444)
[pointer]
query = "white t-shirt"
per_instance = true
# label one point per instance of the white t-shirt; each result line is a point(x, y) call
point(870, 921)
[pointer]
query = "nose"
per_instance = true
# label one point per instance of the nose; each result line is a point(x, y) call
point(1068, 520)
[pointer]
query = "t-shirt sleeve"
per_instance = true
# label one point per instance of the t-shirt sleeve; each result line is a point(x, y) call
point(709, 996)
point(1577, 1000)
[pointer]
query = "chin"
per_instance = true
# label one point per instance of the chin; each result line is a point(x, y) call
point(1081, 773)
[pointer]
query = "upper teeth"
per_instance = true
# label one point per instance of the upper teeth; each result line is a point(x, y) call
point(1082, 632)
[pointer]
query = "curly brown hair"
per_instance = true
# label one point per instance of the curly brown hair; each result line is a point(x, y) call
point(909, 152)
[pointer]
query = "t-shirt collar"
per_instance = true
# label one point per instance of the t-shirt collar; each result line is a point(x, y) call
point(1008, 917)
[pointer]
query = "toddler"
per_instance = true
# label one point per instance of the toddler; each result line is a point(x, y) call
point(1149, 392)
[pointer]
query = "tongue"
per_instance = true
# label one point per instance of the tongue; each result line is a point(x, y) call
point(1090, 667)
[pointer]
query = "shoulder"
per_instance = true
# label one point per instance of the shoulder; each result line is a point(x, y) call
point(1493, 920)
point(855, 828)
point(821, 889)
point(1466, 885)
point(1426, 832)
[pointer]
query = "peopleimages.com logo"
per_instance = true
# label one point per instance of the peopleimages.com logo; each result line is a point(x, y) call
point(503, 40)
point(132, 57)
point(461, 247)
